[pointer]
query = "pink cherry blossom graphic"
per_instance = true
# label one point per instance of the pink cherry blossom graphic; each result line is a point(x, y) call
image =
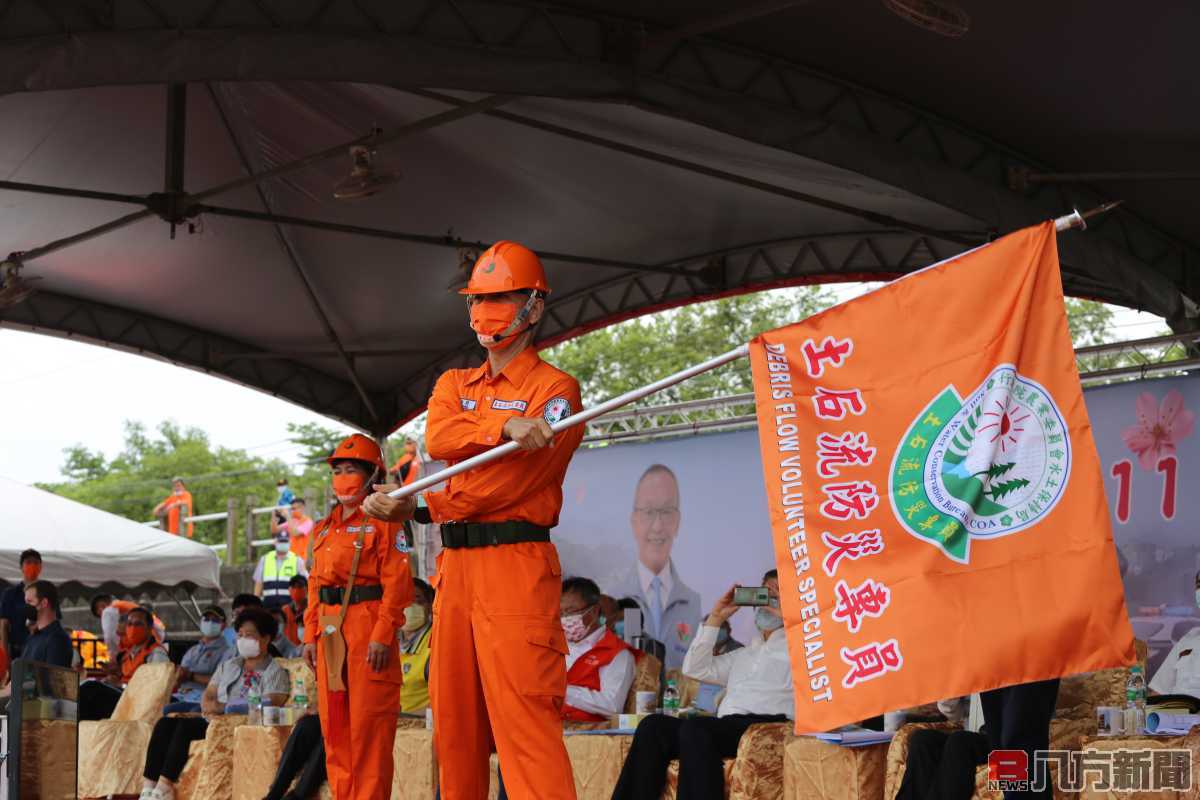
point(1160, 427)
point(684, 630)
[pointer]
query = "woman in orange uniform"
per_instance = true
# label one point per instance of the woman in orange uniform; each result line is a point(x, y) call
point(360, 703)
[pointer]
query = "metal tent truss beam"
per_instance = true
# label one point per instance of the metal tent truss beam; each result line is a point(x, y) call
point(737, 412)
point(833, 257)
point(143, 334)
point(513, 46)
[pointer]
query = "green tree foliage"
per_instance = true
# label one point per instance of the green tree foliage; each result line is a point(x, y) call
point(1091, 323)
point(133, 482)
point(318, 441)
point(625, 356)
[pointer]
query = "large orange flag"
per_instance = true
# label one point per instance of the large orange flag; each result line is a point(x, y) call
point(936, 500)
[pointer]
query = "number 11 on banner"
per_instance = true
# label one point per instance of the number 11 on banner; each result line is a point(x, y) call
point(1168, 467)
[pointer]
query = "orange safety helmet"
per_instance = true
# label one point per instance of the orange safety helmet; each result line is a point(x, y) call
point(507, 267)
point(359, 448)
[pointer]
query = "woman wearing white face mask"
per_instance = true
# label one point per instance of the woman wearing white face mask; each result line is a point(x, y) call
point(415, 636)
point(251, 671)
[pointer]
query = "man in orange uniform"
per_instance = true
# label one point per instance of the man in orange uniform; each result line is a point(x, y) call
point(359, 723)
point(176, 503)
point(498, 670)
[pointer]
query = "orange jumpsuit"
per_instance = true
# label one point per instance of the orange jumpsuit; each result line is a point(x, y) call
point(498, 669)
point(359, 724)
point(179, 502)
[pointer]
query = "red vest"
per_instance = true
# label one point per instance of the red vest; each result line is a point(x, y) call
point(585, 672)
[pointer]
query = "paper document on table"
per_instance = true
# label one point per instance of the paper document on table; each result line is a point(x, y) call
point(1162, 722)
point(855, 738)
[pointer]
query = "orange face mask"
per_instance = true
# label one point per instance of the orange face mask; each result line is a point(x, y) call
point(296, 515)
point(297, 595)
point(31, 572)
point(492, 318)
point(348, 485)
point(136, 635)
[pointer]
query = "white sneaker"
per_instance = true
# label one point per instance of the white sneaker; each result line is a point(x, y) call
point(147, 794)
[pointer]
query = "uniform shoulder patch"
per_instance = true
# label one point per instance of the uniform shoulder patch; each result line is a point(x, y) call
point(557, 409)
point(402, 544)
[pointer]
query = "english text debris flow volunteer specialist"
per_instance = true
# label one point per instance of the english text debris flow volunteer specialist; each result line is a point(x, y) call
point(792, 499)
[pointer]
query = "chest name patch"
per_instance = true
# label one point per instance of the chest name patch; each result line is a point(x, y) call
point(509, 405)
point(467, 403)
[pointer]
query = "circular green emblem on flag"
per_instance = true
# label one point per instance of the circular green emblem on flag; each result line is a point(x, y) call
point(987, 466)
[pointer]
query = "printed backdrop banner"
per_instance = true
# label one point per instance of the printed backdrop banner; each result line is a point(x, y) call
point(936, 501)
point(1149, 452)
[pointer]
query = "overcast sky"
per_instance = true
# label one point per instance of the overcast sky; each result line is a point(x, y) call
point(55, 393)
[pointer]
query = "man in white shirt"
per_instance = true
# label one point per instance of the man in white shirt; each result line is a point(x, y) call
point(758, 681)
point(599, 665)
point(671, 610)
point(1180, 671)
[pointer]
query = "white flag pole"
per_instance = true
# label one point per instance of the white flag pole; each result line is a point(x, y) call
point(575, 419)
point(1067, 222)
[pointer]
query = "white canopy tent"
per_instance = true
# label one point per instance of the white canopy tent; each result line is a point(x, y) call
point(83, 546)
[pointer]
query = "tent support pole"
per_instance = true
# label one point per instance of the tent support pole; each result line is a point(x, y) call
point(195, 620)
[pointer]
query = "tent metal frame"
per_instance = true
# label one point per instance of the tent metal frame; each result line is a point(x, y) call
point(507, 48)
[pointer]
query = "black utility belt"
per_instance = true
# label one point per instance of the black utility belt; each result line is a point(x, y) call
point(487, 534)
point(332, 595)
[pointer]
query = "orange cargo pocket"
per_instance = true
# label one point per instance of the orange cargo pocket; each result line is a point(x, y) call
point(546, 674)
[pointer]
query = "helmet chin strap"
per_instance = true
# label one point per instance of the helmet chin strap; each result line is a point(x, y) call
point(514, 328)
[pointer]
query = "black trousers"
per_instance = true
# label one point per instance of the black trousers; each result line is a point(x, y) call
point(1018, 718)
point(167, 754)
point(97, 700)
point(304, 755)
point(699, 743)
point(941, 765)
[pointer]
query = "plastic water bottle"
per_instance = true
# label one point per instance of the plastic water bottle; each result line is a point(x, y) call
point(254, 702)
point(671, 699)
point(299, 701)
point(269, 715)
point(1135, 702)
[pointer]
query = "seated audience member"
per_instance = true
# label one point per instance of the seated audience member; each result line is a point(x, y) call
point(293, 612)
point(110, 611)
point(252, 670)
point(303, 755)
point(415, 644)
point(240, 603)
point(50, 643)
point(200, 662)
point(600, 666)
point(1180, 671)
point(139, 645)
point(941, 764)
point(759, 689)
point(281, 646)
